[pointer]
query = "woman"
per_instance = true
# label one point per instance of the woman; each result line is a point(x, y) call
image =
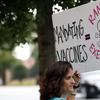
point(59, 80)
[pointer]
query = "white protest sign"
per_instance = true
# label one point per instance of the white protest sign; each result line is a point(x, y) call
point(77, 36)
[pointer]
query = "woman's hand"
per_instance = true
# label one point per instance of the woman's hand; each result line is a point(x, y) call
point(77, 78)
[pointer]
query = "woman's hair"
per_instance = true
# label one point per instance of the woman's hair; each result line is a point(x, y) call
point(52, 81)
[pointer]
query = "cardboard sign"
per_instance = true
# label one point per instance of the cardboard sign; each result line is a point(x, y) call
point(77, 36)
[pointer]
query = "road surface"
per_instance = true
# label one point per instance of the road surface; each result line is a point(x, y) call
point(19, 93)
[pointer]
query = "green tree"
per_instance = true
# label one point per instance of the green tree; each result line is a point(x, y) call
point(19, 72)
point(34, 71)
point(6, 62)
point(17, 23)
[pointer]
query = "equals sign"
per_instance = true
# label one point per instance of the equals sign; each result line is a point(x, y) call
point(87, 36)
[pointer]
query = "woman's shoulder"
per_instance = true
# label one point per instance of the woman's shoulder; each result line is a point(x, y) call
point(57, 98)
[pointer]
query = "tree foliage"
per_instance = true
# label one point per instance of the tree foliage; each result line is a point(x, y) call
point(16, 22)
point(7, 61)
point(19, 72)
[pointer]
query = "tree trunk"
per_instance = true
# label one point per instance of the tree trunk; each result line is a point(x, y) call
point(3, 76)
point(45, 34)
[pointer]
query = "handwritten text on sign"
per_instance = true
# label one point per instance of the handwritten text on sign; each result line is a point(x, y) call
point(77, 36)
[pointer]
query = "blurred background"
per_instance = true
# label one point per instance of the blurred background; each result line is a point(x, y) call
point(27, 47)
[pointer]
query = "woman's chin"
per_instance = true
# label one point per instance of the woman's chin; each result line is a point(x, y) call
point(71, 90)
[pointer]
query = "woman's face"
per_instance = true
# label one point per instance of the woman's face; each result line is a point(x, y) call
point(69, 82)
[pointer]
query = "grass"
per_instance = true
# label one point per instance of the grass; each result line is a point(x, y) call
point(24, 82)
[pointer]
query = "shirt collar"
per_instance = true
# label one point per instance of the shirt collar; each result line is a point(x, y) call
point(57, 98)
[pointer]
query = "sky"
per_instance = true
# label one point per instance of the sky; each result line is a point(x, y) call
point(22, 52)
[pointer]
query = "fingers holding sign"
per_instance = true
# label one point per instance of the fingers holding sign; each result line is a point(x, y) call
point(77, 78)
